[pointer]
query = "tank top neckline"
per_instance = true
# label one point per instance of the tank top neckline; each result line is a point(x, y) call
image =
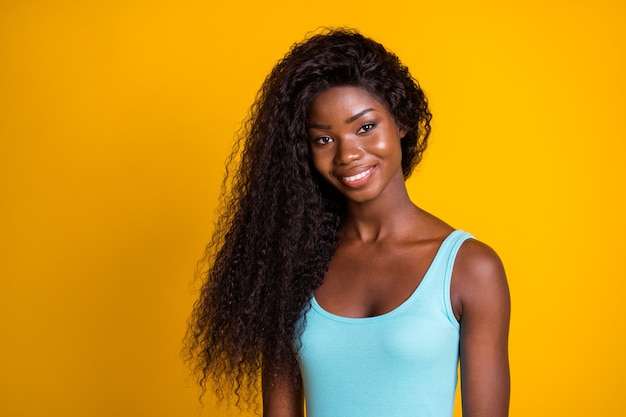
point(398, 309)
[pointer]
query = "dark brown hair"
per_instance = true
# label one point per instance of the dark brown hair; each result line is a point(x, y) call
point(278, 227)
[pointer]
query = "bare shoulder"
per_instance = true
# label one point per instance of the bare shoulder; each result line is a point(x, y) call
point(478, 279)
point(481, 303)
point(478, 261)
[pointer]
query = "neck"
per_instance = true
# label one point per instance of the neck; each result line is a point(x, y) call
point(389, 216)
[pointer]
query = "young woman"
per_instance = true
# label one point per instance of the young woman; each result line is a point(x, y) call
point(325, 280)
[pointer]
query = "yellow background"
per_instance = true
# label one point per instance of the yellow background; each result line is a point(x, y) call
point(115, 121)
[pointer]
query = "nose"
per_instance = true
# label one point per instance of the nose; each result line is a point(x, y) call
point(347, 151)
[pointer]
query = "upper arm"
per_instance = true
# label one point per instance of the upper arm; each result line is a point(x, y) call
point(282, 395)
point(481, 299)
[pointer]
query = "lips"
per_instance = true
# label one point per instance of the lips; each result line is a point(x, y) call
point(357, 179)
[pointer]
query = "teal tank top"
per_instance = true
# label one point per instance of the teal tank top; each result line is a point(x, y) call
point(399, 364)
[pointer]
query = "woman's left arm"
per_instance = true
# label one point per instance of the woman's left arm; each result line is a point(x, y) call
point(480, 296)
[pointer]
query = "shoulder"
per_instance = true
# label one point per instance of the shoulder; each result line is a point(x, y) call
point(482, 306)
point(477, 261)
point(478, 279)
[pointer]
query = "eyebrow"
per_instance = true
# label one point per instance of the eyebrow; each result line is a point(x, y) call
point(348, 120)
point(359, 114)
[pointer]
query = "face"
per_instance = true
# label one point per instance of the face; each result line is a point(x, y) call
point(355, 143)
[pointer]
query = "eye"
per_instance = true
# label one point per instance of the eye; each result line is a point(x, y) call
point(323, 140)
point(366, 128)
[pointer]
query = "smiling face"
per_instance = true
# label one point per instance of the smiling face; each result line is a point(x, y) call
point(355, 143)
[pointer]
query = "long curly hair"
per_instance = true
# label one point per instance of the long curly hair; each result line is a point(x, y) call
point(277, 230)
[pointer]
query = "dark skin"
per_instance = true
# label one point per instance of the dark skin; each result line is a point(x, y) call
point(386, 246)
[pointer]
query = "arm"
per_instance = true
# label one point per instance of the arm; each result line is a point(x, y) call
point(282, 396)
point(480, 297)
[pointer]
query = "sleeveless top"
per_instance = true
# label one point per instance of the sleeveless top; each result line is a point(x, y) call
point(398, 364)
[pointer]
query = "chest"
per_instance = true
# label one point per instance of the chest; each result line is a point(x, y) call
point(371, 280)
point(408, 357)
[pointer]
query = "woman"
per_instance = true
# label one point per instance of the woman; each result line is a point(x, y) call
point(324, 278)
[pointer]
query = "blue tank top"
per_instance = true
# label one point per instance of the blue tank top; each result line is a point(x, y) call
point(399, 364)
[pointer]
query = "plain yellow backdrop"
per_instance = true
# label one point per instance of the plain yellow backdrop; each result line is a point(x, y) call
point(115, 121)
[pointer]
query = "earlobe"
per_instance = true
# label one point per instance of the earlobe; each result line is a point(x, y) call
point(401, 132)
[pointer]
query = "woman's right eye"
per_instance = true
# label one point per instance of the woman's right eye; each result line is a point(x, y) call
point(323, 140)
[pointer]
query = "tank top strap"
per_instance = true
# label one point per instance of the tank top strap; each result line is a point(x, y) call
point(442, 266)
point(449, 248)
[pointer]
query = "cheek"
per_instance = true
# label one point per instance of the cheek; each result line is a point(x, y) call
point(390, 147)
point(319, 161)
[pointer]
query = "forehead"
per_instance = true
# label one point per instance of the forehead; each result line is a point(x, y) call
point(342, 102)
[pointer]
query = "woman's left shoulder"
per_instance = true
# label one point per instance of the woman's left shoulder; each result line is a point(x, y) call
point(476, 258)
point(478, 276)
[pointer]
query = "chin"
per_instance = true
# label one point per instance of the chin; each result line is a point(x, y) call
point(361, 197)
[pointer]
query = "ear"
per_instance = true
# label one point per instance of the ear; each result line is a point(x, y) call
point(402, 131)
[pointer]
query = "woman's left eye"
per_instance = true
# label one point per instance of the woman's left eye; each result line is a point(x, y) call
point(366, 128)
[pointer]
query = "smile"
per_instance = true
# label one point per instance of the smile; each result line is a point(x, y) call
point(357, 177)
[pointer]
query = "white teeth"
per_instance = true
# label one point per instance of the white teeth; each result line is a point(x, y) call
point(357, 176)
